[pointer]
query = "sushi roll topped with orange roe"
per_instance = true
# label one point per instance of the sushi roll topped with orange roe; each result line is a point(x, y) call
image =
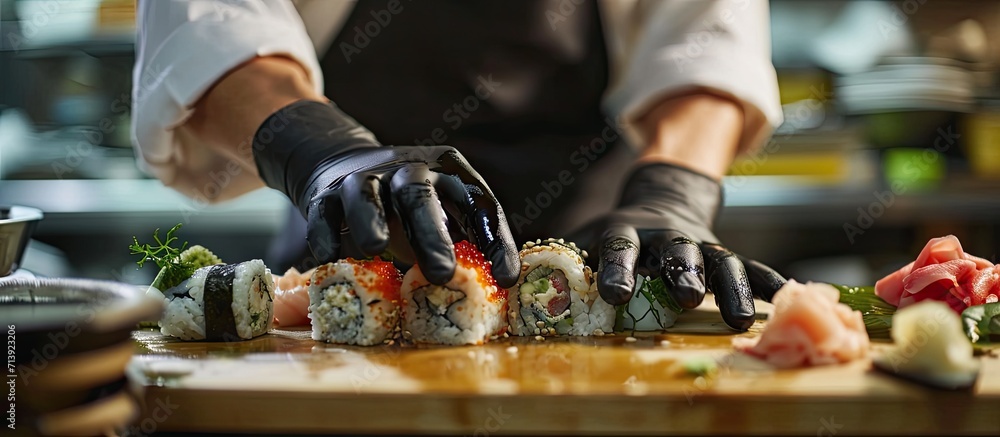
point(468, 309)
point(355, 302)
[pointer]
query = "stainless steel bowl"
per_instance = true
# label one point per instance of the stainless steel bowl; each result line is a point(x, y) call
point(16, 225)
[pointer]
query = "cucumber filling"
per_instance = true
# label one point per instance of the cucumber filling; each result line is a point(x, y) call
point(545, 293)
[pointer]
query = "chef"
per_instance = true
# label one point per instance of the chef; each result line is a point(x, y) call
point(406, 125)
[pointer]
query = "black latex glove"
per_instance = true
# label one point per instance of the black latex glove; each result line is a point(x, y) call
point(662, 227)
point(337, 174)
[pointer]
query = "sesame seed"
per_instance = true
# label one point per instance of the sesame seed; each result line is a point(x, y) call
point(512, 350)
point(505, 335)
point(665, 343)
point(598, 332)
point(539, 338)
point(540, 324)
point(631, 339)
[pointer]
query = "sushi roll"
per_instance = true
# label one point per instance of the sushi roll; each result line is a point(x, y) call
point(555, 293)
point(469, 309)
point(354, 302)
point(223, 302)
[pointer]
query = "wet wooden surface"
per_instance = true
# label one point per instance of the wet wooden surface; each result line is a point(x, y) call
point(286, 383)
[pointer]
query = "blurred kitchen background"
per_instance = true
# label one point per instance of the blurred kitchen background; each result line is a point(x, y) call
point(892, 136)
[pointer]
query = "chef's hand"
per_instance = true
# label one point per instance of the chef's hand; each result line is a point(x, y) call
point(337, 174)
point(662, 227)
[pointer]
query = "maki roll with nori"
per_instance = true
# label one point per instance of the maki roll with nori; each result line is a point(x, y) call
point(223, 302)
point(555, 293)
point(469, 309)
point(354, 302)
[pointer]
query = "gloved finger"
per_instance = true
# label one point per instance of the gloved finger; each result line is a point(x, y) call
point(416, 201)
point(324, 220)
point(616, 274)
point(486, 225)
point(362, 199)
point(728, 280)
point(764, 281)
point(681, 267)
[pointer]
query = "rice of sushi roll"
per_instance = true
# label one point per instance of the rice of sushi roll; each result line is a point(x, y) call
point(223, 302)
point(354, 302)
point(469, 309)
point(555, 293)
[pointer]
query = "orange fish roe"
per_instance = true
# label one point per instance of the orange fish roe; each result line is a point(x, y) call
point(468, 256)
point(388, 279)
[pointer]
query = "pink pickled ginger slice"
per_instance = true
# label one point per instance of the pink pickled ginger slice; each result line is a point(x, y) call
point(291, 298)
point(943, 272)
point(809, 327)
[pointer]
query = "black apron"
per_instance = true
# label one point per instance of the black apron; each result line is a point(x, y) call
point(514, 85)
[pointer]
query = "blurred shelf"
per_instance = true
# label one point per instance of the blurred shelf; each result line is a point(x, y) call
point(97, 46)
point(79, 206)
point(802, 202)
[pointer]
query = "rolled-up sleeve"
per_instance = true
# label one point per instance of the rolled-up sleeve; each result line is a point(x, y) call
point(183, 47)
point(719, 46)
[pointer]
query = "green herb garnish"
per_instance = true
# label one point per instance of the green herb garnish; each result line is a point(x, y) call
point(876, 313)
point(176, 263)
point(653, 291)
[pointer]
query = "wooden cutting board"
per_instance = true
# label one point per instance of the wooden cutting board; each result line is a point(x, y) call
point(284, 382)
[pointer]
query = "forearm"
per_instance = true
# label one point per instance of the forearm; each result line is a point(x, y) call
point(699, 131)
point(229, 114)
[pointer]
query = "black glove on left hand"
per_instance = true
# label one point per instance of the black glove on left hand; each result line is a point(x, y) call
point(662, 227)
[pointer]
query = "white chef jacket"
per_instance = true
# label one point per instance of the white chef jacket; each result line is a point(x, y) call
point(656, 48)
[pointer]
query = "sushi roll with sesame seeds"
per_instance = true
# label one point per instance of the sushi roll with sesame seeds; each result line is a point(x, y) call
point(555, 293)
point(469, 309)
point(354, 302)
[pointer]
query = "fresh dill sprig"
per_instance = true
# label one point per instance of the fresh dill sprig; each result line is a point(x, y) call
point(173, 269)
